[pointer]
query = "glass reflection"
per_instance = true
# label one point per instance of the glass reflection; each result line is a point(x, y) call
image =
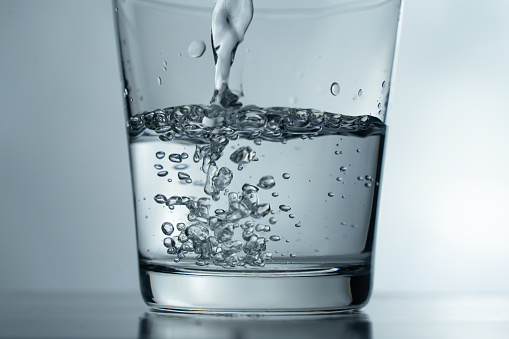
point(176, 326)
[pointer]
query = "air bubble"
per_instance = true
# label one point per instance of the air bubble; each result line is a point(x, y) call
point(367, 184)
point(183, 176)
point(196, 48)
point(258, 142)
point(291, 216)
point(383, 84)
point(334, 88)
point(184, 155)
point(275, 237)
point(160, 199)
point(158, 167)
point(160, 155)
point(359, 93)
point(298, 224)
point(175, 157)
point(286, 176)
point(267, 182)
point(181, 226)
point(339, 179)
point(162, 173)
point(159, 81)
point(167, 228)
point(330, 194)
point(275, 194)
point(292, 255)
point(273, 220)
point(343, 168)
point(358, 150)
point(169, 243)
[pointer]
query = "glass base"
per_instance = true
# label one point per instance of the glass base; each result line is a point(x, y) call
point(312, 291)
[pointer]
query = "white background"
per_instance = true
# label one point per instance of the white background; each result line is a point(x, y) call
point(66, 219)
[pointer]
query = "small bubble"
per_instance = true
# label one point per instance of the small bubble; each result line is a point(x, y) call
point(160, 199)
point(275, 237)
point(330, 194)
point(298, 224)
point(158, 167)
point(179, 55)
point(258, 141)
point(273, 220)
point(303, 137)
point(359, 93)
point(169, 180)
point(196, 48)
point(165, 63)
point(183, 176)
point(286, 176)
point(343, 168)
point(353, 225)
point(181, 226)
point(367, 184)
point(275, 194)
point(284, 141)
point(284, 208)
point(360, 178)
point(146, 217)
point(291, 216)
point(339, 179)
point(267, 182)
point(379, 105)
point(160, 155)
point(336, 152)
point(169, 243)
point(184, 155)
point(383, 84)
point(240, 167)
point(343, 196)
point(167, 228)
point(358, 150)
point(189, 180)
point(334, 88)
point(292, 255)
point(175, 157)
point(368, 178)
point(183, 237)
point(159, 81)
point(164, 69)
point(162, 173)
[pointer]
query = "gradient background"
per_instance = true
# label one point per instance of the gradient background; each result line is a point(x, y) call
point(66, 217)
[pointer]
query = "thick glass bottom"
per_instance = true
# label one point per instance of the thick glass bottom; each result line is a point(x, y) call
point(303, 291)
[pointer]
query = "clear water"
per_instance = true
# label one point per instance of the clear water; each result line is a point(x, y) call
point(253, 188)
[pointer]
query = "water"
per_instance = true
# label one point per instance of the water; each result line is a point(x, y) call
point(214, 214)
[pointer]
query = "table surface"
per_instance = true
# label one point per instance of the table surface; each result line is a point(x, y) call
point(443, 315)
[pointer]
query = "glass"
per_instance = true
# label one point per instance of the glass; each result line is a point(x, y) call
point(256, 134)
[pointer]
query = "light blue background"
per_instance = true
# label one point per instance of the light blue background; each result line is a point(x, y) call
point(66, 218)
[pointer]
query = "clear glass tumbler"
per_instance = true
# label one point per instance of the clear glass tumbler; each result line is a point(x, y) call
point(256, 133)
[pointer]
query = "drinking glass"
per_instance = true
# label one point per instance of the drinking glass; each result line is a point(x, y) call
point(256, 134)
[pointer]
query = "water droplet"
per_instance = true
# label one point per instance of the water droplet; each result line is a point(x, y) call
point(158, 167)
point(273, 220)
point(181, 226)
point(160, 155)
point(360, 92)
point(334, 88)
point(162, 173)
point(196, 48)
point(184, 155)
point(330, 194)
point(175, 157)
point(275, 237)
point(267, 182)
point(284, 208)
point(291, 216)
point(167, 228)
point(183, 176)
point(286, 176)
point(159, 81)
point(275, 194)
point(343, 168)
